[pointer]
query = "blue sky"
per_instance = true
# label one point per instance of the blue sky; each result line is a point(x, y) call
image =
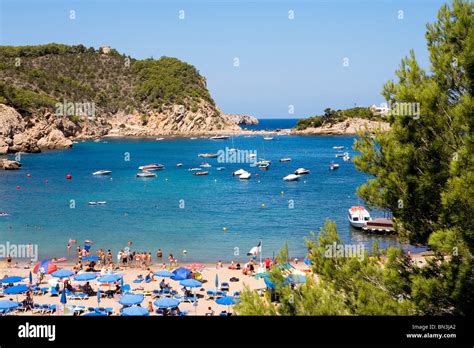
point(283, 62)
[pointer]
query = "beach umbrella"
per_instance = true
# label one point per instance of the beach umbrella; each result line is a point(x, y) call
point(85, 277)
point(31, 278)
point(164, 273)
point(181, 274)
point(8, 304)
point(307, 262)
point(166, 302)
point(62, 273)
point(226, 301)
point(16, 289)
point(190, 283)
point(109, 278)
point(48, 266)
point(91, 258)
point(63, 299)
point(295, 278)
point(135, 311)
point(131, 299)
point(269, 283)
point(12, 279)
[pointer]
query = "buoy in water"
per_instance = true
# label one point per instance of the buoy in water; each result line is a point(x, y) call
point(225, 229)
point(257, 175)
point(263, 205)
point(68, 177)
point(28, 175)
point(18, 187)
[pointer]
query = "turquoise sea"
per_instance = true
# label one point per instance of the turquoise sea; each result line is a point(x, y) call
point(213, 217)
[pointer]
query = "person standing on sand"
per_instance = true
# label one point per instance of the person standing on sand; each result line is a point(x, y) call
point(171, 259)
point(150, 307)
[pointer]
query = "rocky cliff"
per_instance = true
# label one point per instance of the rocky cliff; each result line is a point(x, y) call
point(349, 126)
point(52, 94)
point(242, 119)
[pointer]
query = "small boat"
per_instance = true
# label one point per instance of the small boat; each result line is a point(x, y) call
point(193, 138)
point(263, 161)
point(334, 166)
point(219, 137)
point(208, 155)
point(264, 165)
point(340, 154)
point(338, 147)
point(220, 168)
point(102, 172)
point(301, 171)
point(267, 138)
point(92, 203)
point(358, 216)
point(179, 164)
point(285, 159)
point(146, 174)
point(346, 157)
point(4, 214)
point(201, 173)
point(153, 166)
point(194, 169)
point(245, 175)
point(205, 165)
point(239, 172)
point(291, 177)
point(158, 139)
point(101, 202)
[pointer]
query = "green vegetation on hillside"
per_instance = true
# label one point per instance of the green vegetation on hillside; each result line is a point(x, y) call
point(423, 171)
point(55, 72)
point(334, 116)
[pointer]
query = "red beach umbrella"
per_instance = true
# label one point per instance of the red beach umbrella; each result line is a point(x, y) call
point(48, 266)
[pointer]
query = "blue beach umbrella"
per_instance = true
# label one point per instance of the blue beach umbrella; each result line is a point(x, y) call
point(63, 299)
point(131, 299)
point(296, 279)
point(135, 311)
point(269, 283)
point(91, 258)
point(166, 302)
point(8, 304)
point(62, 273)
point(12, 279)
point(16, 289)
point(191, 283)
point(110, 278)
point(85, 277)
point(31, 278)
point(164, 273)
point(226, 301)
point(181, 274)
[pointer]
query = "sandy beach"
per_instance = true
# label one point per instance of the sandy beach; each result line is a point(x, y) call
point(130, 274)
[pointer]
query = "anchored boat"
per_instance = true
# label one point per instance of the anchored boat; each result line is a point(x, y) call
point(102, 172)
point(358, 216)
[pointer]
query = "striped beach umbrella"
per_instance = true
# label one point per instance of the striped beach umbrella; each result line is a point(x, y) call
point(48, 266)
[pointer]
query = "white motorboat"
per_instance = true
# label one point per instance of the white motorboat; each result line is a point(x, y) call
point(340, 154)
point(245, 175)
point(358, 216)
point(334, 166)
point(153, 166)
point(194, 169)
point(285, 159)
point(158, 139)
point(101, 202)
point(346, 157)
point(239, 172)
point(205, 165)
point(92, 203)
point(267, 138)
point(220, 168)
point(338, 147)
point(219, 137)
point(179, 164)
point(146, 174)
point(291, 177)
point(301, 171)
point(102, 172)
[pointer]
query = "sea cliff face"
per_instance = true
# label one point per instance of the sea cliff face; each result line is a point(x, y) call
point(242, 119)
point(349, 126)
